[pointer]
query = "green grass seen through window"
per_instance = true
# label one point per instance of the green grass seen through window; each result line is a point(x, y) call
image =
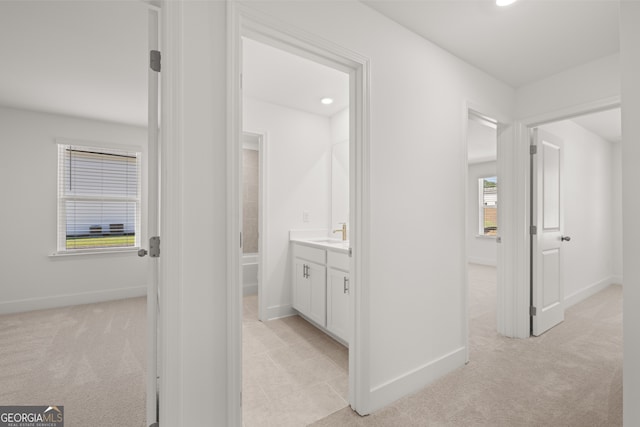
point(100, 242)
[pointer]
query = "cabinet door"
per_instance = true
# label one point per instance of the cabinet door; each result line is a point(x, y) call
point(338, 303)
point(317, 276)
point(301, 288)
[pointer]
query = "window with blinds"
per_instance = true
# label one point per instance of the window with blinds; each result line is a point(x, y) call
point(488, 196)
point(98, 198)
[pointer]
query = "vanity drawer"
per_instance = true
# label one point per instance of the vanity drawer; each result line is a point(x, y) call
point(338, 260)
point(311, 254)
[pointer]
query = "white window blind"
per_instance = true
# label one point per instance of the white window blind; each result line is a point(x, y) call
point(98, 198)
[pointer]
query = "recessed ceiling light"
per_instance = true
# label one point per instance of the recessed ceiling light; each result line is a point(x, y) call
point(504, 2)
point(327, 101)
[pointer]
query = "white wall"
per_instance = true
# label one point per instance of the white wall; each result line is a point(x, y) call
point(340, 126)
point(340, 170)
point(630, 65)
point(594, 81)
point(197, 364)
point(30, 278)
point(480, 249)
point(298, 166)
point(416, 249)
point(588, 259)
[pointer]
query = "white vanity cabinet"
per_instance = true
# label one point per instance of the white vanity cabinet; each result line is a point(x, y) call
point(309, 283)
point(338, 303)
point(321, 288)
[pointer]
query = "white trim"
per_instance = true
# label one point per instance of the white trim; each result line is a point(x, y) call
point(414, 380)
point(466, 115)
point(234, 216)
point(98, 144)
point(617, 280)
point(483, 236)
point(42, 303)
point(171, 281)
point(152, 226)
point(514, 252)
point(482, 261)
point(279, 311)
point(245, 21)
point(130, 250)
point(588, 291)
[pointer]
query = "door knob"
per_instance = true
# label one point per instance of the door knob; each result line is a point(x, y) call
point(565, 238)
point(142, 252)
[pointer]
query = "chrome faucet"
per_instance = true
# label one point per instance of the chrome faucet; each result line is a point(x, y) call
point(342, 230)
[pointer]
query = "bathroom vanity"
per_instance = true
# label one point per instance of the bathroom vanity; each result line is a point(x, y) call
point(321, 284)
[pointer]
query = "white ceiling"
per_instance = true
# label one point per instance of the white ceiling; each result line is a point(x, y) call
point(281, 78)
point(519, 44)
point(89, 58)
point(606, 124)
point(80, 58)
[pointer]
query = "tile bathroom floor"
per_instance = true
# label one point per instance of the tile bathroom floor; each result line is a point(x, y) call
point(293, 374)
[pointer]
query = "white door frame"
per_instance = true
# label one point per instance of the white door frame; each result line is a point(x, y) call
point(245, 21)
point(171, 144)
point(515, 251)
point(153, 225)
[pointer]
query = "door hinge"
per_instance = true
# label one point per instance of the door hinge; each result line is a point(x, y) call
point(533, 230)
point(532, 311)
point(155, 59)
point(533, 149)
point(350, 252)
point(154, 247)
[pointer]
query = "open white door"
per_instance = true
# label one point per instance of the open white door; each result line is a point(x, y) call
point(153, 223)
point(547, 294)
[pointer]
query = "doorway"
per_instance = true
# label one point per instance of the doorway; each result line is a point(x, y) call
point(482, 224)
point(303, 107)
point(247, 23)
point(576, 236)
point(86, 285)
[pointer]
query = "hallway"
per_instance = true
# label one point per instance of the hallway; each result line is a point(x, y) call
point(570, 376)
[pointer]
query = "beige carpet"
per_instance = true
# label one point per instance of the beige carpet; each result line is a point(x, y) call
point(570, 376)
point(89, 358)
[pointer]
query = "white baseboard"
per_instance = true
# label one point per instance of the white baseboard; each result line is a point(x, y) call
point(482, 261)
point(278, 311)
point(250, 289)
point(30, 304)
point(617, 280)
point(416, 379)
point(592, 289)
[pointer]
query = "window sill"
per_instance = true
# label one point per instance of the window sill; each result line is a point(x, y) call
point(94, 252)
point(482, 236)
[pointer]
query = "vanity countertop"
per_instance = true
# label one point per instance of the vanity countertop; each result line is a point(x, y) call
point(335, 245)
